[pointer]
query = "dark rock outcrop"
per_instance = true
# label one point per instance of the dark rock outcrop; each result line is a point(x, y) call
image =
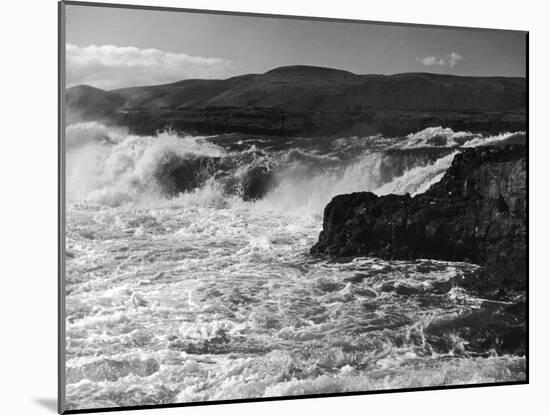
point(256, 182)
point(176, 174)
point(476, 213)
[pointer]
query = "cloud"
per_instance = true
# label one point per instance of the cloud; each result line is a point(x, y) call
point(110, 67)
point(450, 59)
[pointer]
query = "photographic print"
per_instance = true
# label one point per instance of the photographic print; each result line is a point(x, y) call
point(258, 207)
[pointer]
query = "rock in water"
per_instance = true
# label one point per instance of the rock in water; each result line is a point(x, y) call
point(256, 182)
point(176, 174)
point(476, 213)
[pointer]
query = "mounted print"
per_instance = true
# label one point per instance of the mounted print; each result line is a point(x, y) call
point(258, 207)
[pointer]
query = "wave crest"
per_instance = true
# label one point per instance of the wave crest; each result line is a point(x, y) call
point(109, 166)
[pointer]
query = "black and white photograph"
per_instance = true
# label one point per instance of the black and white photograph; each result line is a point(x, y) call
point(258, 207)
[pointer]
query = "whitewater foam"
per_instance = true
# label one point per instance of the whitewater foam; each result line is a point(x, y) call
point(418, 179)
point(204, 296)
point(440, 137)
point(107, 166)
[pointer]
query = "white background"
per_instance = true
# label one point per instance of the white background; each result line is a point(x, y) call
point(28, 224)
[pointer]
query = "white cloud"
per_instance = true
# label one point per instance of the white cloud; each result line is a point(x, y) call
point(450, 59)
point(453, 58)
point(110, 67)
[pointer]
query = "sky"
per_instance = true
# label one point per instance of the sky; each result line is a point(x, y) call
point(111, 48)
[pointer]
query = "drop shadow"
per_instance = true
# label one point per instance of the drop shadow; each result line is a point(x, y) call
point(48, 403)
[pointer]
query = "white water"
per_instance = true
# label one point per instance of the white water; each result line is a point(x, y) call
point(120, 168)
point(207, 297)
point(446, 137)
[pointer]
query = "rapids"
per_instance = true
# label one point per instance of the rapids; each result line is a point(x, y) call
point(201, 295)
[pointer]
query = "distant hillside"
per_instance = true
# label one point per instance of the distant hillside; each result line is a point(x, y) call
point(92, 101)
point(300, 89)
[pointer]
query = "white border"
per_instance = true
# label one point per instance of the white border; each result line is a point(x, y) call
point(29, 203)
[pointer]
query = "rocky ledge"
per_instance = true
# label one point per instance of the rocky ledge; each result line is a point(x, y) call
point(476, 213)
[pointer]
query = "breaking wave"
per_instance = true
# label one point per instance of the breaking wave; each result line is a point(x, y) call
point(439, 137)
point(108, 165)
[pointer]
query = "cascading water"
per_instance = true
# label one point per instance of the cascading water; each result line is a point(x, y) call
point(198, 293)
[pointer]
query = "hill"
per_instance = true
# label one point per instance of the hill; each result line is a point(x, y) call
point(309, 89)
point(86, 101)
